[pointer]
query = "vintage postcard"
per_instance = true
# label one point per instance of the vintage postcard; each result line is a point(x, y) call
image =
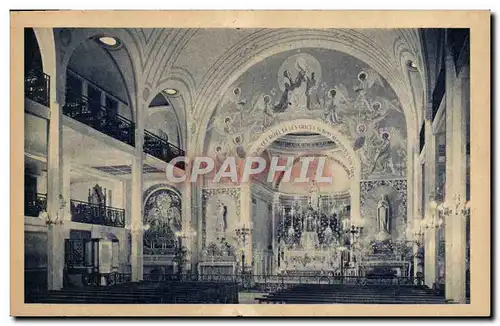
point(250, 163)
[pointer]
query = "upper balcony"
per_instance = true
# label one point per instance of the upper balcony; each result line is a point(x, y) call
point(99, 117)
point(37, 86)
point(162, 149)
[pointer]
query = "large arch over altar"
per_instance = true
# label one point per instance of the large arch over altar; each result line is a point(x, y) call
point(326, 130)
point(315, 91)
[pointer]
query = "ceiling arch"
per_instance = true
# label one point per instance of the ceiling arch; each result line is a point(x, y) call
point(68, 40)
point(262, 45)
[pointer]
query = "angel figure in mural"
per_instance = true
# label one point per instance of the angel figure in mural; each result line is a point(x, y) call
point(382, 154)
point(368, 78)
point(269, 116)
point(378, 152)
point(312, 100)
point(220, 217)
point(331, 108)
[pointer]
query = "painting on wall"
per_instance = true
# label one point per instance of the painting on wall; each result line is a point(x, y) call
point(162, 217)
point(312, 83)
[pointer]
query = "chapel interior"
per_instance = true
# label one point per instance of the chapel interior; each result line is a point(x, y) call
point(384, 112)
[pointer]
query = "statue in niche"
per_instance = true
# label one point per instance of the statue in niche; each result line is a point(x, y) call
point(383, 215)
point(221, 217)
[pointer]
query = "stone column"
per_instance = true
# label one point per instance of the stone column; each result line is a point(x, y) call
point(66, 187)
point(55, 236)
point(355, 201)
point(136, 214)
point(431, 245)
point(455, 235)
point(415, 213)
point(275, 221)
point(195, 201)
point(187, 224)
point(246, 220)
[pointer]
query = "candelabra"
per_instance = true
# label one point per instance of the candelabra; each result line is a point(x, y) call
point(241, 234)
point(142, 227)
point(182, 252)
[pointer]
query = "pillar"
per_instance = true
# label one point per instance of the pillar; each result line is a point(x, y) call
point(246, 220)
point(55, 232)
point(355, 200)
point(416, 212)
point(455, 220)
point(275, 252)
point(187, 224)
point(136, 214)
point(430, 238)
point(195, 201)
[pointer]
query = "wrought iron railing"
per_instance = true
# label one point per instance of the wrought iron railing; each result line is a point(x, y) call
point(97, 116)
point(33, 206)
point(84, 212)
point(271, 283)
point(161, 149)
point(37, 86)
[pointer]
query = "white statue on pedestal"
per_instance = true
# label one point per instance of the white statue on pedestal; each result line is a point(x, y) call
point(383, 215)
point(314, 196)
point(221, 217)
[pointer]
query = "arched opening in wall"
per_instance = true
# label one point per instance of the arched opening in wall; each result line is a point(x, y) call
point(339, 95)
point(162, 136)
point(36, 82)
point(96, 89)
point(37, 89)
point(161, 241)
point(310, 202)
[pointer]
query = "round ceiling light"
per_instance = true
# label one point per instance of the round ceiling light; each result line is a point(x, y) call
point(412, 65)
point(170, 91)
point(108, 41)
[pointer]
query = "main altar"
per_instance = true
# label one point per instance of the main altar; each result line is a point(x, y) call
point(316, 236)
point(311, 236)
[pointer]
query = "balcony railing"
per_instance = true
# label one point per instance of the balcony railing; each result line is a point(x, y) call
point(84, 212)
point(162, 149)
point(37, 87)
point(33, 206)
point(97, 116)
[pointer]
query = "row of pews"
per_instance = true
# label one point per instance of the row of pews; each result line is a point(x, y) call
point(352, 294)
point(146, 292)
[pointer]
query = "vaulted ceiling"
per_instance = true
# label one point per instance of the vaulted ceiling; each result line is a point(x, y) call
point(202, 64)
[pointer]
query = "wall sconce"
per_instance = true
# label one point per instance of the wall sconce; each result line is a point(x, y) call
point(48, 219)
point(143, 227)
